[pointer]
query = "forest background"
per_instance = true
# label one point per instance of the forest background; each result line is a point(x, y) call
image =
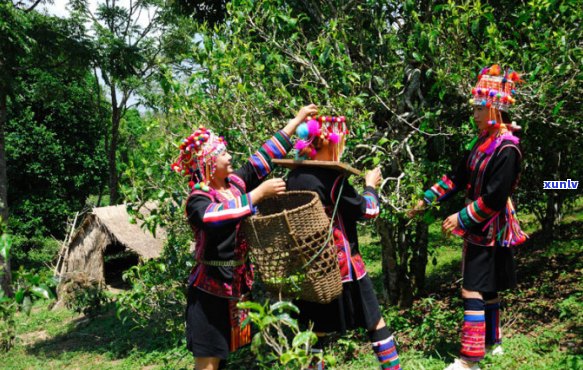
point(94, 103)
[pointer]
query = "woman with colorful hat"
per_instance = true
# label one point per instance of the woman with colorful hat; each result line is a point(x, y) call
point(323, 139)
point(221, 197)
point(488, 224)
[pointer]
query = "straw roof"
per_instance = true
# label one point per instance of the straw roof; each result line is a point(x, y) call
point(116, 220)
point(105, 226)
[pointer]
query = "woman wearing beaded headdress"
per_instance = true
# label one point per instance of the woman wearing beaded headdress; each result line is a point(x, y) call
point(220, 199)
point(488, 224)
point(323, 139)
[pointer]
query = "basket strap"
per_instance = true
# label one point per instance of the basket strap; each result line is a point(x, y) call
point(331, 228)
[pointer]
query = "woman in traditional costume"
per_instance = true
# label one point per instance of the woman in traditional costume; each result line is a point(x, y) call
point(220, 199)
point(488, 174)
point(323, 139)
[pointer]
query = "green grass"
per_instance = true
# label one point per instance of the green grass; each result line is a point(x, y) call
point(57, 339)
point(542, 325)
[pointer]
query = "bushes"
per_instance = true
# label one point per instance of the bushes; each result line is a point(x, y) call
point(83, 295)
point(33, 253)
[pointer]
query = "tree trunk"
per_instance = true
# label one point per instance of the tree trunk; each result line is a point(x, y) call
point(419, 260)
point(399, 280)
point(405, 281)
point(389, 260)
point(553, 207)
point(112, 158)
point(111, 155)
point(552, 212)
point(5, 275)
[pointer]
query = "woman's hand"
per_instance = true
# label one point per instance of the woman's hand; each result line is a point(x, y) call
point(449, 224)
point(373, 178)
point(268, 188)
point(305, 112)
point(419, 208)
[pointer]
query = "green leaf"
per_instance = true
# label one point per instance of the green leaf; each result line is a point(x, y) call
point(557, 108)
point(41, 292)
point(428, 218)
point(286, 357)
point(253, 306)
point(51, 293)
point(288, 320)
point(19, 296)
point(284, 305)
point(304, 338)
point(256, 342)
point(27, 305)
point(5, 243)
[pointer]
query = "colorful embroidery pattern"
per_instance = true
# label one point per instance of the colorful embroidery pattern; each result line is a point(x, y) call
point(372, 205)
point(276, 147)
point(473, 336)
point(474, 213)
point(218, 214)
point(386, 353)
point(440, 190)
point(242, 275)
point(352, 266)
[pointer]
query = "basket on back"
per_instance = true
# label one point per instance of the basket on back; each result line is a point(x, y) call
point(291, 247)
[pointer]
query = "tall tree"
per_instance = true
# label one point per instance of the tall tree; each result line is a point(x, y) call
point(14, 44)
point(29, 40)
point(129, 38)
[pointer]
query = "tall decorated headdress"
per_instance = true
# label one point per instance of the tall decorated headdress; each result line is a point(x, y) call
point(197, 158)
point(329, 128)
point(495, 91)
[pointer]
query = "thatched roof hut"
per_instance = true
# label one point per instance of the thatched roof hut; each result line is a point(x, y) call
point(107, 231)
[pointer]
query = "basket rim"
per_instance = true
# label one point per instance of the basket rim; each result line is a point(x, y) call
point(316, 199)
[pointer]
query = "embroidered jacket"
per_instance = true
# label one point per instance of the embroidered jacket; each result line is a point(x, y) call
point(353, 207)
point(489, 179)
point(215, 221)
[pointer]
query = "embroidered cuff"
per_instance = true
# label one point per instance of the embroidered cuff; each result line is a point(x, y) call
point(440, 190)
point(372, 202)
point(474, 213)
point(276, 147)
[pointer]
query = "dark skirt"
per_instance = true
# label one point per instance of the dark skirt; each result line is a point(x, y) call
point(208, 328)
point(488, 269)
point(357, 307)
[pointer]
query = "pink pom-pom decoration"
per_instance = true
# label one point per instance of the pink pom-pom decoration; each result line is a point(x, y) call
point(300, 145)
point(313, 153)
point(313, 127)
point(334, 138)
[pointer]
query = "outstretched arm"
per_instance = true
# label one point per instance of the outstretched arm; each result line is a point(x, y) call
point(259, 164)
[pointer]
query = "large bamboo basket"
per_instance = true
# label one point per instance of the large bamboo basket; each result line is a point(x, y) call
point(292, 249)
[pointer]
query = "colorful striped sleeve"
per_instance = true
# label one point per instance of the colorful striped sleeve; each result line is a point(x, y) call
point(276, 147)
point(474, 213)
point(232, 211)
point(440, 190)
point(504, 171)
point(372, 203)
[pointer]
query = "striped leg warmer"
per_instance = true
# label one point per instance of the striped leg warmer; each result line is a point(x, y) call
point(493, 332)
point(473, 330)
point(383, 345)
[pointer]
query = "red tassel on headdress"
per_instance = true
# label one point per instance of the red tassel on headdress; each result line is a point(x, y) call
point(486, 144)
